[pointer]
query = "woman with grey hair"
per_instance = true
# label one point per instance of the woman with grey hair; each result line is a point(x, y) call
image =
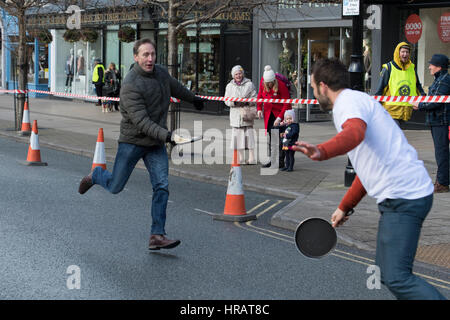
point(242, 115)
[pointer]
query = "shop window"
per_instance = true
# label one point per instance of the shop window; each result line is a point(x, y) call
point(43, 64)
point(31, 64)
point(198, 56)
point(208, 56)
point(75, 63)
point(126, 56)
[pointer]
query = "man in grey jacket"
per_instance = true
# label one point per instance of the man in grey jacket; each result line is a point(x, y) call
point(144, 104)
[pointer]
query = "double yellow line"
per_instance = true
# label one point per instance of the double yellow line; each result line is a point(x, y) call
point(337, 253)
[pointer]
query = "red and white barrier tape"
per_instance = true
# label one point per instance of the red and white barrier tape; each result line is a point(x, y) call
point(438, 99)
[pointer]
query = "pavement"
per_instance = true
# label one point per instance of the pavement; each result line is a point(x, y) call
point(315, 188)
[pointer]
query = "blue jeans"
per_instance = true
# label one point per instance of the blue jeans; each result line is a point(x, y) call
point(157, 164)
point(441, 149)
point(398, 236)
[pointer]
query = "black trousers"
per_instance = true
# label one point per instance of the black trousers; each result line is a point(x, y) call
point(99, 91)
point(281, 153)
point(290, 160)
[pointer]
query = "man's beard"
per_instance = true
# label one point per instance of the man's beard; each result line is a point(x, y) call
point(325, 103)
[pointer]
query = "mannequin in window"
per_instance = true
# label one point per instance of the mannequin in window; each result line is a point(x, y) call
point(367, 63)
point(80, 63)
point(286, 66)
point(70, 61)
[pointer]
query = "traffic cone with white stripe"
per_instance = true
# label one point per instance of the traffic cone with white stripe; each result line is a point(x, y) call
point(99, 155)
point(34, 152)
point(235, 201)
point(26, 125)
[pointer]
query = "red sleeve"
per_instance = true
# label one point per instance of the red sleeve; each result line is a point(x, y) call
point(351, 136)
point(353, 195)
point(284, 94)
point(260, 91)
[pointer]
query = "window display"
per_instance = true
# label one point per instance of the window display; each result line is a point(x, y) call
point(198, 56)
point(74, 64)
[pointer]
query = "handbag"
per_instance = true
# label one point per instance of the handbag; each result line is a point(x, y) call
point(248, 113)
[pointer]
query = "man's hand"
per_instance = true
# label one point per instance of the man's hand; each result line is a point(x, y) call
point(277, 122)
point(169, 138)
point(415, 105)
point(199, 103)
point(338, 218)
point(310, 150)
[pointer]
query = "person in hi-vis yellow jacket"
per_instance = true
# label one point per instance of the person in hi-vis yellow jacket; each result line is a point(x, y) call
point(399, 78)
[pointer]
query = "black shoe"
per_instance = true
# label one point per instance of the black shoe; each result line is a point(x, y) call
point(284, 169)
point(85, 184)
point(290, 170)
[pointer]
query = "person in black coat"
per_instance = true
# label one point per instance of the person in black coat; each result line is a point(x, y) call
point(438, 117)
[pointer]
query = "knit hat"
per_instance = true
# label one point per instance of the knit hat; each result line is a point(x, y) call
point(236, 69)
point(439, 60)
point(268, 75)
point(291, 113)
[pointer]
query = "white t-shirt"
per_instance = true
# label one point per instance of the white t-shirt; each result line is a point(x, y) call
point(384, 161)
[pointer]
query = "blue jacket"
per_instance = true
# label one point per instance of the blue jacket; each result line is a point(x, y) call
point(438, 113)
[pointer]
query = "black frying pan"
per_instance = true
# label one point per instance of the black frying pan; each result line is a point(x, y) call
point(315, 237)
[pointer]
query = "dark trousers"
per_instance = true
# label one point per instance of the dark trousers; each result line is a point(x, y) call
point(99, 91)
point(290, 160)
point(398, 236)
point(441, 149)
point(281, 153)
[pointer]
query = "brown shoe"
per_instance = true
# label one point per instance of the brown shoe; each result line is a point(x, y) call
point(439, 188)
point(85, 184)
point(158, 241)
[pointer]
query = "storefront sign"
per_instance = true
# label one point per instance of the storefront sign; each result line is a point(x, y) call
point(99, 18)
point(236, 16)
point(444, 27)
point(350, 8)
point(413, 28)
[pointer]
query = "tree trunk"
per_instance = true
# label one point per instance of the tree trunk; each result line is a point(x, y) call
point(22, 64)
point(172, 62)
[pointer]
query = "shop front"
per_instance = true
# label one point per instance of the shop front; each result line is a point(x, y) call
point(206, 54)
point(426, 26)
point(298, 36)
point(36, 55)
point(72, 55)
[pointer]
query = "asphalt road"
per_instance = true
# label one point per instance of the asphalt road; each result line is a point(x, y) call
point(53, 240)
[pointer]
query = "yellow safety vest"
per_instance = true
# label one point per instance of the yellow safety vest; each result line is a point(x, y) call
point(401, 83)
point(95, 73)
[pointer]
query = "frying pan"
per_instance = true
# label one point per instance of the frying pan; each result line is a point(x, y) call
point(181, 140)
point(315, 237)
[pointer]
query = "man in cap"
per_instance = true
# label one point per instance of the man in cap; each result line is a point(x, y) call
point(438, 117)
point(399, 78)
point(98, 79)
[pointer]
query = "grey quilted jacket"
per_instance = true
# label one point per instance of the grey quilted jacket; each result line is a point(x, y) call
point(144, 104)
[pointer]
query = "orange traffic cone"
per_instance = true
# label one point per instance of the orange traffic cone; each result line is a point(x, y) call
point(99, 155)
point(34, 152)
point(26, 125)
point(235, 201)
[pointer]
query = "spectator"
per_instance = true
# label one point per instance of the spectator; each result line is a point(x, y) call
point(438, 117)
point(112, 86)
point(98, 79)
point(399, 78)
point(272, 88)
point(242, 114)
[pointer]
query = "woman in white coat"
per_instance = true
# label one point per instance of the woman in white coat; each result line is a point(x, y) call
point(242, 115)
